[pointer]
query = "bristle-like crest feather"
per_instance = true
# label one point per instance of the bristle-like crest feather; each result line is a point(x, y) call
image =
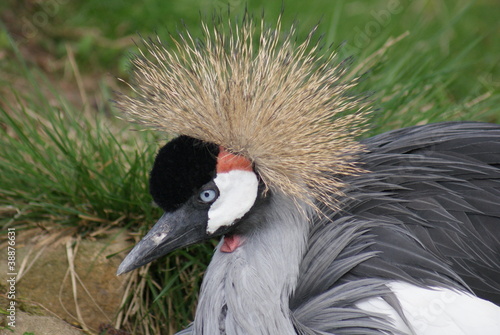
point(273, 100)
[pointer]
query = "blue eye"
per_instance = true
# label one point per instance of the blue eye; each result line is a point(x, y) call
point(208, 196)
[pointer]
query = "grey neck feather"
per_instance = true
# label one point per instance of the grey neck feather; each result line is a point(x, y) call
point(247, 291)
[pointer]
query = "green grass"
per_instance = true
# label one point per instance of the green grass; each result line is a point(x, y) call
point(62, 165)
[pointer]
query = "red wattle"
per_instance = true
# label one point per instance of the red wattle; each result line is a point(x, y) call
point(231, 242)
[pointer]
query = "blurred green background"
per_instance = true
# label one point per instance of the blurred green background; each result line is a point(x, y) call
point(65, 159)
point(451, 43)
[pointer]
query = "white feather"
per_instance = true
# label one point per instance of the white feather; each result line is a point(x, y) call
point(237, 194)
point(438, 311)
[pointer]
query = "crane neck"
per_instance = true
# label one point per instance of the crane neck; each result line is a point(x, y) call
point(246, 291)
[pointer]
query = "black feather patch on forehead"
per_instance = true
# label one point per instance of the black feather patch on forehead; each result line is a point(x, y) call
point(181, 167)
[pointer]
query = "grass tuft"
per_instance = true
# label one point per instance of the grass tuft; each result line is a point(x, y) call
point(62, 165)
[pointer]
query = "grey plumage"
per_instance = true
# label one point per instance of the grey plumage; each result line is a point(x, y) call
point(428, 213)
point(442, 187)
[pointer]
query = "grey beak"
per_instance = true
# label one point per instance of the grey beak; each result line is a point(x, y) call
point(173, 230)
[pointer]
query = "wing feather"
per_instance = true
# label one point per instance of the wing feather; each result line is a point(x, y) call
point(427, 214)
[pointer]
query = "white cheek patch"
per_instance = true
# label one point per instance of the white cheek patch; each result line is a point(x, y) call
point(237, 194)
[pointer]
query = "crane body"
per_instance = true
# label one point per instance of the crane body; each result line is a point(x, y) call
point(422, 226)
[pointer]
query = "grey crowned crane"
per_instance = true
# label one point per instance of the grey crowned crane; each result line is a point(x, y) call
point(321, 233)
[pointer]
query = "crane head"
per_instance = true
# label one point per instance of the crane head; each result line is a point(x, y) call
point(282, 118)
point(204, 191)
